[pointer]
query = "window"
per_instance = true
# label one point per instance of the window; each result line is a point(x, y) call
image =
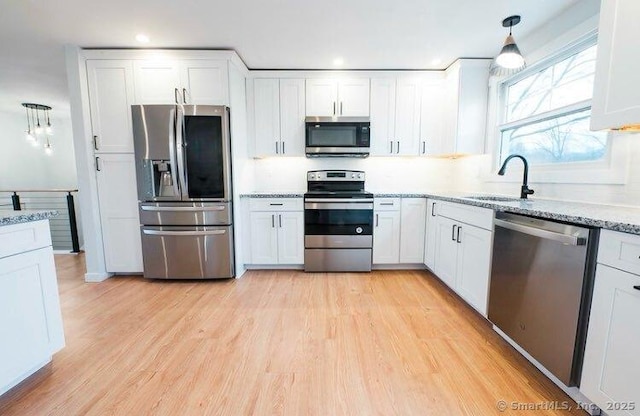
point(547, 112)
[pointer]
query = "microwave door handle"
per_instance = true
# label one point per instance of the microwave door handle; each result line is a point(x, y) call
point(172, 154)
point(182, 170)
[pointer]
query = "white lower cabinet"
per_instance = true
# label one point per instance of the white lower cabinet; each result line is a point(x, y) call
point(611, 368)
point(398, 230)
point(277, 237)
point(430, 236)
point(30, 319)
point(412, 227)
point(386, 237)
point(118, 198)
point(463, 251)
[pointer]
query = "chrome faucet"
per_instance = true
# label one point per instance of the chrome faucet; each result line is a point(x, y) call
point(524, 190)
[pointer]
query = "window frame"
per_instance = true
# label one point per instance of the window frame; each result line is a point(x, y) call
point(610, 169)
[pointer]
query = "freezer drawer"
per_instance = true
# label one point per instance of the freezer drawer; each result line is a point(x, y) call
point(185, 213)
point(188, 252)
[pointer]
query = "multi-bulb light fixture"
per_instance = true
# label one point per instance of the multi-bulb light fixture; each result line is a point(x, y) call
point(35, 130)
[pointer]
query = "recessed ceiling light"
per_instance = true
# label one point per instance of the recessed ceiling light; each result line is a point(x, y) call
point(142, 38)
point(338, 62)
point(436, 61)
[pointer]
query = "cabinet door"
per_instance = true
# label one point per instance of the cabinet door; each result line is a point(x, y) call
point(383, 113)
point(446, 259)
point(292, 117)
point(407, 137)
point(431, 119)
point(205, 81)
point(157, 82)
point(617, 67)
point(291, 238)
point(118, 200)
point(472, 107)
point(264, 238)
point(611, 368)
point(386, 237)
point(321, 96)
point(474, 263)
point(266, 105)
point(412, 228)
point(353, 97)
point(110, 99)
point(431, 240)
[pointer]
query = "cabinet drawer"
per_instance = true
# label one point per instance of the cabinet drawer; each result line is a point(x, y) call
point(480, 217)
point(386, 204)
point(18, 238)
point(620, 250)
point(276, 204)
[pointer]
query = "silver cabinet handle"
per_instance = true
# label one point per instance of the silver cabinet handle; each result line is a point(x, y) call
point(181, 209)
point(334, 108)
point(95, 142)
point(387, 203)
point(184, 95)
point(340, 107)
point(175, 95)
point(183, 233)
point(424, 147)
point(458, 235)
point(453, 232)
point(280, 220)
point(538, 232)
point(276, 205)
point(433, 209)
point(276, 147)
point(398, 149)
point(376, 220)
point(98, 163)
point(390, 146)
point(273, 221)
point(282, 147)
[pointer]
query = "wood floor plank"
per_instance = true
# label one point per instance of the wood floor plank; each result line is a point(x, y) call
point(275, 343)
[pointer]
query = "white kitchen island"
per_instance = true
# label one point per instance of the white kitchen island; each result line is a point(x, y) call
point(30, 318)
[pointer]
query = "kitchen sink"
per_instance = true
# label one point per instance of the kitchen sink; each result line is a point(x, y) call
point(491, 198)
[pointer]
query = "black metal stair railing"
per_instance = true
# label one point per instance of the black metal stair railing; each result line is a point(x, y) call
point(64, 226)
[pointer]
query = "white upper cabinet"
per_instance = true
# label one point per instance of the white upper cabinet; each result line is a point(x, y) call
point(383, 110)
point(191, 81)
point(465, 106)
point(292, 117)
point(205, 81)
point(616, 98)
point(431, 118)
point(333, 97)
point(266, 115)
point(278, 109)
point(110, 98)
point(407, 137)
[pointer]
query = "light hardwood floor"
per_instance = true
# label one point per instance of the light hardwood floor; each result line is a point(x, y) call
point(276, 342)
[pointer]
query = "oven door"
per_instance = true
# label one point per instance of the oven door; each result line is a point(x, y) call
point(338, 223)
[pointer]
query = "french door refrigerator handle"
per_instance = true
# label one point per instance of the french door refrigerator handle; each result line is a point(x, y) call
point(182, 169)
point(172, 154)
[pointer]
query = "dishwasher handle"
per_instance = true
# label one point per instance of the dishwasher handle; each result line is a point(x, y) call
point(538, 232)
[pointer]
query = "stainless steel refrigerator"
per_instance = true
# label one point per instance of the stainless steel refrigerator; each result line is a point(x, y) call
point(183, 168)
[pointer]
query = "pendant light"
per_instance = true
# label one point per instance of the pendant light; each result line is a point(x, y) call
point(510, 59)
point(35, 129)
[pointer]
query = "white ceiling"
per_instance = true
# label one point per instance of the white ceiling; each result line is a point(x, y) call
point(297, 34)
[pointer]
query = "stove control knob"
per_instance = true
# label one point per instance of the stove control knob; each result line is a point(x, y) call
point(312, 176)
point(359, 230)
point(359, 175)
point(353, 175)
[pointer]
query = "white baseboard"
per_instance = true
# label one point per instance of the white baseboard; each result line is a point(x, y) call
point(96, 277)
point(403, 266)
point(274, 266)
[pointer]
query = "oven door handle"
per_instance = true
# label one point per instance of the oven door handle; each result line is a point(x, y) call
point(182, 209)
point(351, 200)
point(338, 205)
point(183, 233)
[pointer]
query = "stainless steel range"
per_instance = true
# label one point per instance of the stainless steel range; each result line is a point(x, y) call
point(338, 222)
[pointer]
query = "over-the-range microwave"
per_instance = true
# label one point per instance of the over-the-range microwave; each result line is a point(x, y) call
point(337, 136)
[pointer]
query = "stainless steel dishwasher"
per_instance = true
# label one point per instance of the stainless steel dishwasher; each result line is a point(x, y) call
point(541, 286)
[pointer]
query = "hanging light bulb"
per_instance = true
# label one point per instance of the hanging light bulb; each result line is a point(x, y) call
point(28, 131)
point(48, 129)
point(47, 147)
point(38, 127)
point(510, 59)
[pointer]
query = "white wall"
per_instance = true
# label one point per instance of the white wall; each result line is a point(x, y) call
point(383, 174)
point(24, 167)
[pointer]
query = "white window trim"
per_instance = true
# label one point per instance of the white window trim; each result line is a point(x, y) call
point(612, 169)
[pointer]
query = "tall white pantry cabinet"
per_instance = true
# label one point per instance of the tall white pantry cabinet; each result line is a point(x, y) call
point(115, 80)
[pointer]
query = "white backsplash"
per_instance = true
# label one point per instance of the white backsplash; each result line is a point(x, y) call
point(383, 174)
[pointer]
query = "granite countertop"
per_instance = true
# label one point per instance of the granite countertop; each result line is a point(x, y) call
point(9, 217)
point(611, 217)
point(291, 194)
